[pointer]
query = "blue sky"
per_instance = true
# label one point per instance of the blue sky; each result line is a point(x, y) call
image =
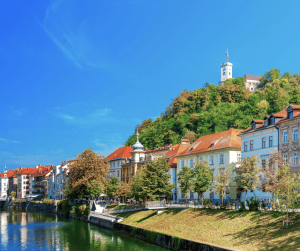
point(79, 74)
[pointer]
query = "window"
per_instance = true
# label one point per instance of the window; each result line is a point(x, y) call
point(211, 160)
point(182, 163)
point(191, 162)
point(229, 73)
point(223, 73)
point(295, 159)
point(285, 136)
point(238, 156)
point(251, 145)
point(245, 146)
point(221, 158)
point(264, 142)
point(118, 173)
point(113, 164)
point(191, 195)
point(290, 114)
point(211, 194)
point(270, 141)
point(284, 156)
point(295, 134)
point(200, 159)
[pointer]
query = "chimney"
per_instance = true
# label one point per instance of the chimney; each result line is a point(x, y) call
point(184, 142)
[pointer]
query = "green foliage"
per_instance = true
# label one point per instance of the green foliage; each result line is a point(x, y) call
point(48, 201)
point(185, 180)
point(136, 186)
point(247, 174)
point(151, 236)
point(13, 194)
point(94, 189)
point(254, 204)
point(243, 207)
point(218, 108)
point(133, 230)
point(222, 181)
point(111, 187)
point(176, 242)
point(80, 211)
point(64, 206)
point(202, 177)
point(156, 179)
point(207, 203)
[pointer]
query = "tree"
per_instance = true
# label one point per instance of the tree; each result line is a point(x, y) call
point(288, 191)
point(87, 169)
point(136, 186)
point(123, 190)
point(111, 187)
point(13, 194)
point(247, 174)
point(185, 180)
point(222, 181)
point(94, 189)
point(190, 135)
point(155, 179)
point(269, 173)
point(202, 177)
point(262, 108)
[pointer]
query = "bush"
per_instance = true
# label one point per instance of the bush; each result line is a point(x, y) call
point(207, 202)
point(224, 205)
point(242, 208)
point(81, 210)
point(48, 201)
point(254, 204)
point(217, 204)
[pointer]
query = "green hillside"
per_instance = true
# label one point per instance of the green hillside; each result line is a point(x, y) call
point(215, 109)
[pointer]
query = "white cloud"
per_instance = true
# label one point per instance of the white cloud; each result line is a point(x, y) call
point(9, 141)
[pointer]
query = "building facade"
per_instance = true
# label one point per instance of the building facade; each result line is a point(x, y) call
point(289, 128)
point(221, 150)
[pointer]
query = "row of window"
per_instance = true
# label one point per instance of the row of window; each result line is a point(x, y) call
point(113, 173)
point(250, 147)
point(211, 194)
point(202, 158)
point(295, 135)
point(285, 159)
point(114, 164)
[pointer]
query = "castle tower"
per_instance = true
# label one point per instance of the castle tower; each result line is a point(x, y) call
point(226, 70)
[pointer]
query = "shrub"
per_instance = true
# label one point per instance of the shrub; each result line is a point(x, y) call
point(48, 201)
point(254, 204)
point(242, 208)
point(217, 204)
point(207, 203)
point(80, 210)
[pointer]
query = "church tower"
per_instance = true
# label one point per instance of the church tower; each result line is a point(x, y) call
point(226, 70)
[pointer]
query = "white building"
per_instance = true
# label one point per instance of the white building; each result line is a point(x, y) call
point(261, 139)
point(116, 159)
point(252, 81)
point(220, 149)
point(58, 180)
point(4, 183)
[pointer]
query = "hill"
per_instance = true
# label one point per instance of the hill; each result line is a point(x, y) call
point(215, 109)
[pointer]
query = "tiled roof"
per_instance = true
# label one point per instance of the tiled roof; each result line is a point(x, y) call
point(214, 141)
point(28, 170)
point(122, 152)
point(258, 121)
point(251, 77)
point(171, 154)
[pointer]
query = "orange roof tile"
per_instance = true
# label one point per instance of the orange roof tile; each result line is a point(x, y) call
point(214, 141)
point(259, 121)
point(171, 154)
point(122, 152)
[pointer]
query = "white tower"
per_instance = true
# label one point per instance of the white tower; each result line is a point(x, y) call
point(226, 70)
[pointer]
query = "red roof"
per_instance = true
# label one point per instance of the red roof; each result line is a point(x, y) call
point(214, 141)
point(122, 152)
point(171, 154)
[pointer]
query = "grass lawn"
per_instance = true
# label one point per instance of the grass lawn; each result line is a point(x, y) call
point(229, 228)
point(120, 207)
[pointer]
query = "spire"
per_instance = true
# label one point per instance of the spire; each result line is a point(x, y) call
point(5, 170)
point(137, 145)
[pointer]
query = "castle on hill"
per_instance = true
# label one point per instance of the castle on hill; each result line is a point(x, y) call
point(251, 81)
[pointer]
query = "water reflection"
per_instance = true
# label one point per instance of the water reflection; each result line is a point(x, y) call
point(42, 231)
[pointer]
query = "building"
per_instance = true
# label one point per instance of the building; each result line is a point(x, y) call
point(4, 183)
point(135, 163)
point(261, 139)
point(252, 81)
point(38, 181)
point(116, 159)
point(23, 181)
point(172, 161)
point(58, 180)
point(220, 149)
point(289, 137)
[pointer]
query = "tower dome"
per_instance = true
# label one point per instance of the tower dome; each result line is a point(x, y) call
point(137, 145)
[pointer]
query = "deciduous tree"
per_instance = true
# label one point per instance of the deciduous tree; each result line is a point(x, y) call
point(222, 181)
point(185, 180)
point(86, 170)
point(247, 174)
point(111, 187)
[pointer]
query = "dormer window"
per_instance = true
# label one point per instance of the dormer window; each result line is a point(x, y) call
point(266, 121)
point(253, 126)
point(290, 114)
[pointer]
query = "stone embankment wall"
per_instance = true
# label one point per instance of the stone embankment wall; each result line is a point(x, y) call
point(164, 240)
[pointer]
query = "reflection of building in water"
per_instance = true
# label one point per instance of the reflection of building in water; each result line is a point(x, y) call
point(4, 219)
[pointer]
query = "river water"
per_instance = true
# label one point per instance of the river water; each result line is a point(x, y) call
point(46, 231)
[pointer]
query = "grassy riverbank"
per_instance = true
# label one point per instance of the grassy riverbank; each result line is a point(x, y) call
point(243, 231)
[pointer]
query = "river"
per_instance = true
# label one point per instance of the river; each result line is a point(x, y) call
point(47, 231)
